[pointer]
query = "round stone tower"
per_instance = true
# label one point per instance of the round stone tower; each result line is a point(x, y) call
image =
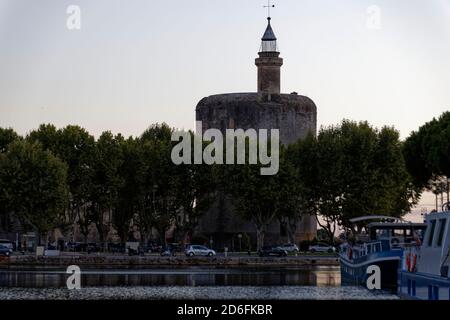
point(294, 115)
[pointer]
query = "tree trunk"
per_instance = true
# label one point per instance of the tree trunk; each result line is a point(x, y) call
point(292, 228)
point(260, 233)
point(162, 236)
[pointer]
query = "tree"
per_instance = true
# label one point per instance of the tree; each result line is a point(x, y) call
point(353, 170)
point(7, 136)
point(48, 136)
point(131, 190)
point(159, 200)
point(426, 153)
point(319, 163)
point(259, 198)
point(196, 186)
point(75, 147)
point(33, 185)
point(106, 181)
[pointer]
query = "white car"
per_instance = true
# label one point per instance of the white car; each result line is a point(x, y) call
point(322, 247)
point(289, 247)
point(195, 250)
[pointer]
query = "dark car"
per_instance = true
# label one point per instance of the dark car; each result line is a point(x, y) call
point(83, 247)
point(171, 249)
point(117, 247)
point(267, 251)
point(152, 247)
point(5, 251)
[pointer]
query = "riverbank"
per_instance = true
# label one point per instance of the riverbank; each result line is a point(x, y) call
point(124, 260)
point(197, 293)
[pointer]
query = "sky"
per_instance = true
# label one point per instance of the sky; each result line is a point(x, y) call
point(134, 63)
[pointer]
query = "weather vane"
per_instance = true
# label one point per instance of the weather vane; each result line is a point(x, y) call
point(268, 8)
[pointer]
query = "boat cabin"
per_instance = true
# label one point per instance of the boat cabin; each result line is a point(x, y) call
point(434, 253)
point(395, 234)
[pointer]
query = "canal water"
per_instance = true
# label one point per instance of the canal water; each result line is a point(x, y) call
point(293, 283)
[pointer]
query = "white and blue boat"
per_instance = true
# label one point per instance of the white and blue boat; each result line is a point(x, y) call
point(381, 244)
point(425, 269)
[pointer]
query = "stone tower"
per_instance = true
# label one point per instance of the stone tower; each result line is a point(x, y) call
point(269, 64)
point(294, 115)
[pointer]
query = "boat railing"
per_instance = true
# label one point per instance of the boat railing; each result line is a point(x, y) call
point(361, 250)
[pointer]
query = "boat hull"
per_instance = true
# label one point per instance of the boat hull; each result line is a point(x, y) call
point(355, 272)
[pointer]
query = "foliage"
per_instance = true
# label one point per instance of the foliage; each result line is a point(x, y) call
point(7, 136)
point(352, 170)
point(33, 185)
point(262, 199)
point(427, 152)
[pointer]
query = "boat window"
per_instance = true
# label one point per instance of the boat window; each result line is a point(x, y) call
point(398, 232)
point(431, 234)
point(442, 224)
point(382, 233)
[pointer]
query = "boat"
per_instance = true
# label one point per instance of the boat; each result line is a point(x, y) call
point(381, 243)
point(425, 270)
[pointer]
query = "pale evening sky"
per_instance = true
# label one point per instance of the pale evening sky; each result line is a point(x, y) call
point(138, 62)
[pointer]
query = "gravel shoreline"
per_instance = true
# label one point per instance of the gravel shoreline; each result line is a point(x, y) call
point(195, 293)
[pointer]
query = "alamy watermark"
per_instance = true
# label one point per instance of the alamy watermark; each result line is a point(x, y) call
point(74, 19)
point(374, 277)
point(74, 280)
point(373, 17)
point(234, 148)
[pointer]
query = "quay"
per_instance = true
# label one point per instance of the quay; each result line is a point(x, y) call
point(156, 260)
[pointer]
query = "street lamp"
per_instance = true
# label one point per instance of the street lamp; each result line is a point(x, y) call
point(240, 242)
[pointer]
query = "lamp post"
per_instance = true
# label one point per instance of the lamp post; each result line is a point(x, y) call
point(240, 242)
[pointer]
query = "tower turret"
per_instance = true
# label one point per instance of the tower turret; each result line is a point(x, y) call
point(269, 63)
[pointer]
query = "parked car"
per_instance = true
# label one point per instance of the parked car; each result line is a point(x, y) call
point(152, 247)
point(322, 247)
point(170, 250)
point(116, 247)
point(82, 247)
point(196, 250)
point(267, 251)
point(5, 251)
point(136, 252)
point(289, 247)
point(167, 252)
point(7, 243)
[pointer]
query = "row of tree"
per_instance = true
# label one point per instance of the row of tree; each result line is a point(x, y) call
point(60, 178)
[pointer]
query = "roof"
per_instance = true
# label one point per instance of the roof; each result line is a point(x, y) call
point(269, 35)
point(393, 225)
point(359, 219)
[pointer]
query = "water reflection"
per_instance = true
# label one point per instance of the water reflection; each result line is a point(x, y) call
point(191, 277)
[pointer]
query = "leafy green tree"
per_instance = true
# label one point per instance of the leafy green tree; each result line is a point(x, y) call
point(76, 147)
point(427, 154)
point(106, 181)
point(48, 136)
point(160, 205)
point(33, 185)
point(353, 170)
point(195, 187)
point(7, 136)
point(259, 198)
point(130, 192)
